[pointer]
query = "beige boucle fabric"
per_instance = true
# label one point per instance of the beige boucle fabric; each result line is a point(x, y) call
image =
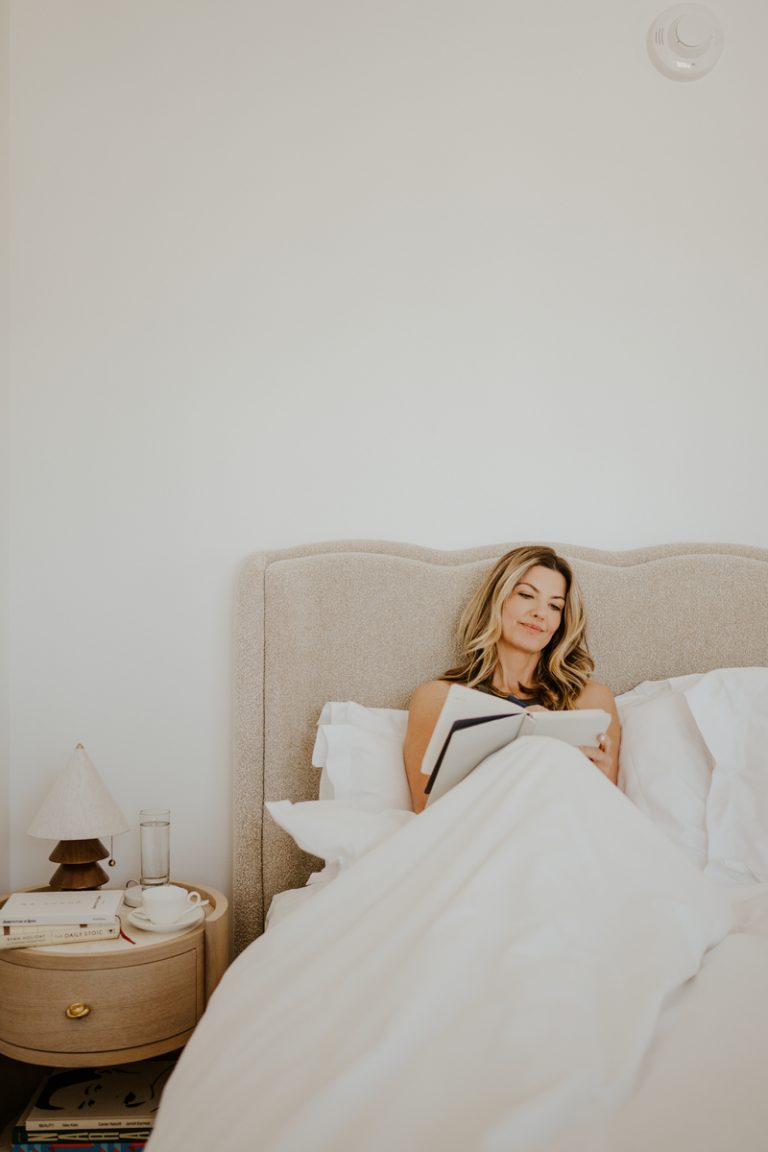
point(368, 621)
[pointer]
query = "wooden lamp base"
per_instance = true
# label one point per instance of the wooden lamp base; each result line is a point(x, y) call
point(78, 865)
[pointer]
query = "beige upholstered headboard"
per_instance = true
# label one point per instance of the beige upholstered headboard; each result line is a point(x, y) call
point(367, 621)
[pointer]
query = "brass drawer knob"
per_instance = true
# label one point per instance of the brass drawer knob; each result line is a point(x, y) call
point(77, 1011)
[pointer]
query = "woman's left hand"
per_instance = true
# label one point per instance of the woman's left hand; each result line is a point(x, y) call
point(606, 755)
point(601, 756)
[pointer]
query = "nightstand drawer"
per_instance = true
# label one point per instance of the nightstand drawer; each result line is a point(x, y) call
point(109, 1009)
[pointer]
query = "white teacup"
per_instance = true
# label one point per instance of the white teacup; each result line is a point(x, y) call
point(167, 903)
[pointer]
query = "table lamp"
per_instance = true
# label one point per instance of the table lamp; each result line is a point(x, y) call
point(77, 811)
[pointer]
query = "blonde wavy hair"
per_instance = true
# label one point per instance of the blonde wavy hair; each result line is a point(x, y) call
point(565, 665)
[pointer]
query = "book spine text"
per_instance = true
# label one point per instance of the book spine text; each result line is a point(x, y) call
point(82, 1146)
point(29, 936)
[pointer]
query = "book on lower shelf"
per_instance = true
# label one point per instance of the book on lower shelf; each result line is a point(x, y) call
point(41, 935)
point(94, 1107)
point(94, 906)
point(78, 1146)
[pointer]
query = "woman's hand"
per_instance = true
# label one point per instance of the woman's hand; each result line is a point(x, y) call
point(606, 755)
point(601, 756)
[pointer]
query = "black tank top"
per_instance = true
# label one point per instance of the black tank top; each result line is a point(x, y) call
point(512, 698)
point(523, 703)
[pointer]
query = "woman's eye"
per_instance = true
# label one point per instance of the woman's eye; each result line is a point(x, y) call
point(525, 595)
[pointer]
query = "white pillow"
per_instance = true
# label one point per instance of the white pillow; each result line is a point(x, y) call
point(730, 706)
point(665, 767)
point(360, 751)
point(364, 794)
point(337, 834)
point(650, 689)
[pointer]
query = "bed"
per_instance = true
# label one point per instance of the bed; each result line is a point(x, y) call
point(540, 960)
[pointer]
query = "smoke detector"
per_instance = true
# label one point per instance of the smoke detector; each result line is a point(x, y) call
point(685, 42)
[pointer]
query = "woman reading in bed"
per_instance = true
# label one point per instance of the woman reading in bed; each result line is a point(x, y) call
point(522, 637)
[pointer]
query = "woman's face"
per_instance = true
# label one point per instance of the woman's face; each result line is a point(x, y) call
point(533, 611)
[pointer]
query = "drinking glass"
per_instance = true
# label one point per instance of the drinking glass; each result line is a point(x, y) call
point(155, 830)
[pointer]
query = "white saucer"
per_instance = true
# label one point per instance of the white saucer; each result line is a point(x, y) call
point(139, 919)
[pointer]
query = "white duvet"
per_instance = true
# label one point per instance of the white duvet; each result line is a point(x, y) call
point(489, 978)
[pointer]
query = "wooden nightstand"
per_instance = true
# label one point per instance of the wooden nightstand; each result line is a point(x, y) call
point(142, 999)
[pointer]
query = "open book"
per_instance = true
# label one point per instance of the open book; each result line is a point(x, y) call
point(473, 724)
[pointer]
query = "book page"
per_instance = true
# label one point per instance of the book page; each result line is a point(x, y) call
point(463, 703)
point(578, 726)
point(468, 744)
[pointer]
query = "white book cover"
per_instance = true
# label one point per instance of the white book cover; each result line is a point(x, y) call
point(95, 906)
point(473, 724)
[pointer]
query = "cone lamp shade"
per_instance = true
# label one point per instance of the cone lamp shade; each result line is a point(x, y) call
point(77, 811)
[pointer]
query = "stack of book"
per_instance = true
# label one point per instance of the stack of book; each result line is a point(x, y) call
point(28, 919)
point(93, 1109)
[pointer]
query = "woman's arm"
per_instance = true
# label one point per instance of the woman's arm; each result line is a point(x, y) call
point(423, 712)
point(606, 757)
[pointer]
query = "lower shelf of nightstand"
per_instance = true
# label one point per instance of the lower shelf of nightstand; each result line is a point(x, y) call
point(19, 1081)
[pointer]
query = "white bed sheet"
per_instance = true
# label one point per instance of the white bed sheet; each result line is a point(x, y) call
point(491, 977)
point(702, 1084)
point(284, 903)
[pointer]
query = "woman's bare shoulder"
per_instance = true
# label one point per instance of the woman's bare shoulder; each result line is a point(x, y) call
point(594, 695)
point(430, 694)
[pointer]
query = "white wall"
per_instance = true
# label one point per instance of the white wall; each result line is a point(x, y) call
point(4, 472)
point(447, 273)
